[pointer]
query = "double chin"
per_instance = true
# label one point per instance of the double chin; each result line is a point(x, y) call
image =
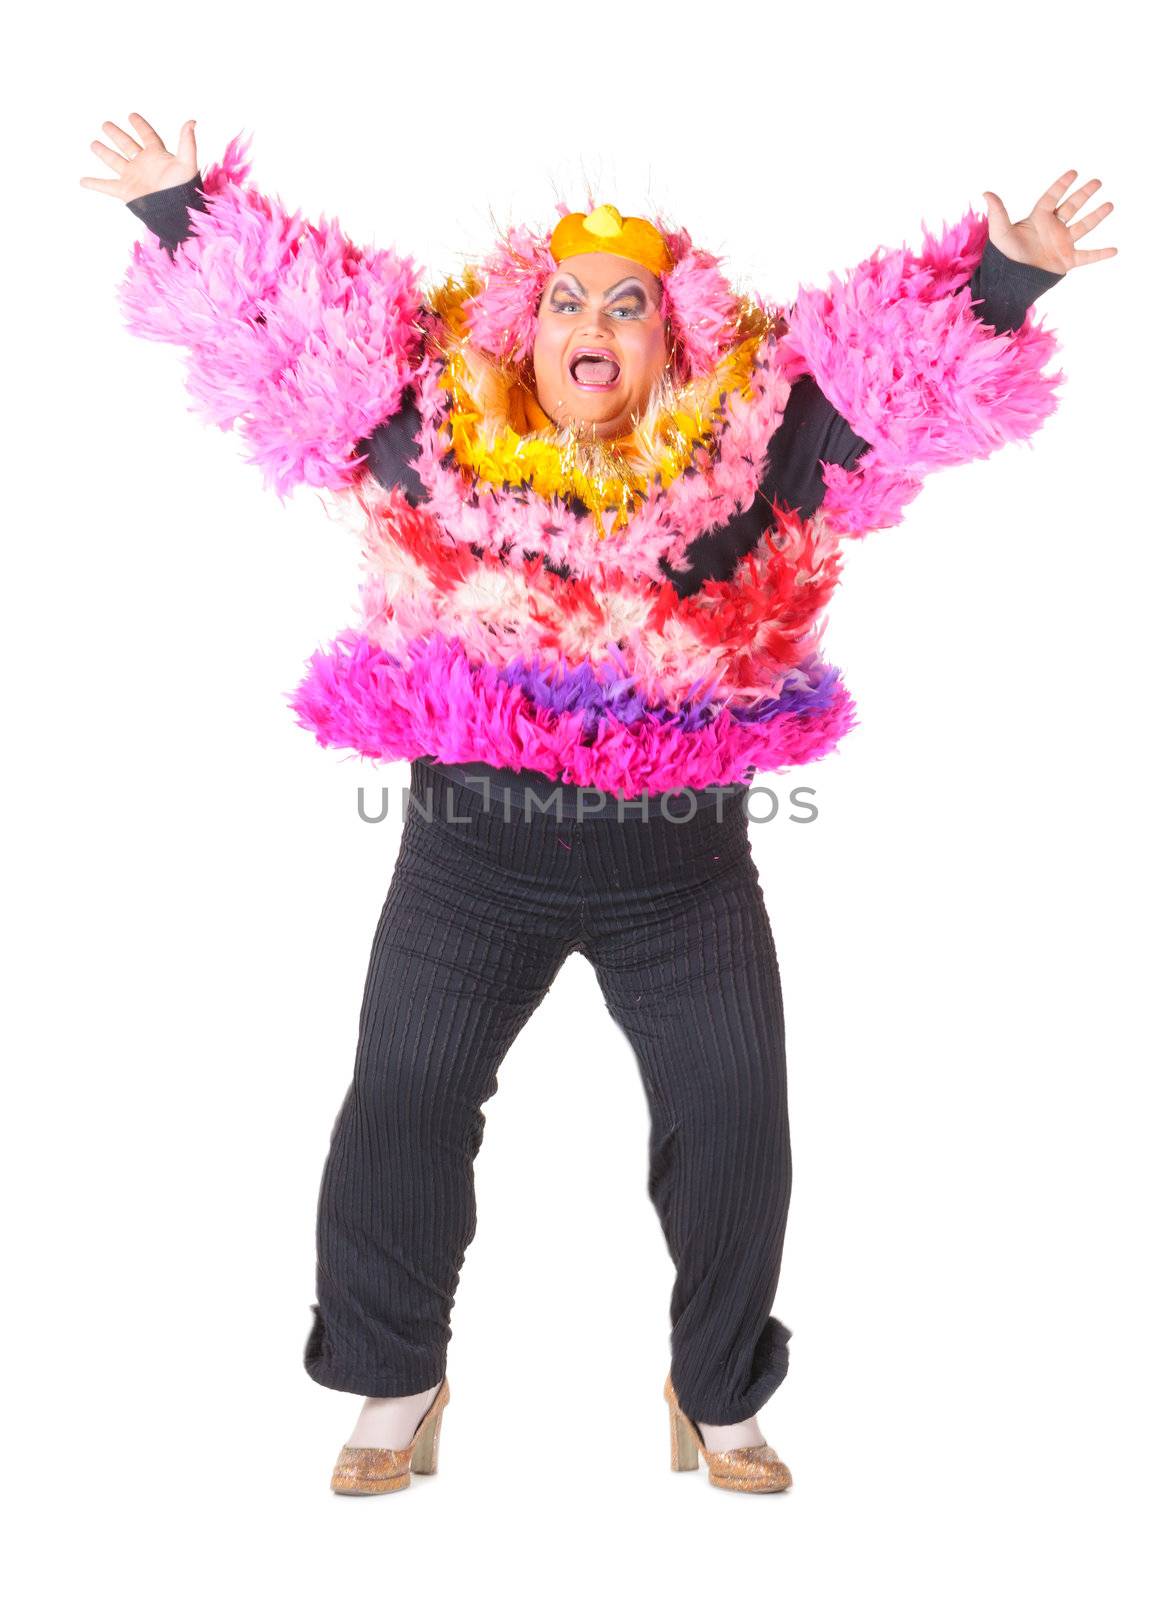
point(605, 426)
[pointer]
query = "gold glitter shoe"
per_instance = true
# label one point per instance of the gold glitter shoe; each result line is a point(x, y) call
point(753, 1468)
point(373, 1469)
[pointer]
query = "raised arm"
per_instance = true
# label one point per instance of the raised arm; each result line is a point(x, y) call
point(814, 435)
point(295, 336)
point(920, 374)
point(390, 449)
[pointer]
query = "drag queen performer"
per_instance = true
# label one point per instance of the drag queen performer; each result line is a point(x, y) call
point(603, 499)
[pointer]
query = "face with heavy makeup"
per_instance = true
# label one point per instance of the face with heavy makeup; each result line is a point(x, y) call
point(600, 342)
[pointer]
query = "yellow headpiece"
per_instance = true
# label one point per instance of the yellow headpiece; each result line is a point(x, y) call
point(605, 229)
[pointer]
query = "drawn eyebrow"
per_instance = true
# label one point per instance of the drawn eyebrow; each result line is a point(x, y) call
point(625, 286)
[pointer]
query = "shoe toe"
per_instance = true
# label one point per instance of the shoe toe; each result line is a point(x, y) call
point(755, 1468)
point(367, 1469)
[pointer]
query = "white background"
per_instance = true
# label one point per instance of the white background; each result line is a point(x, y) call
point(968, 934)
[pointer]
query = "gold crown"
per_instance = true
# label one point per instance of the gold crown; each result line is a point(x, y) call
point(634, 238)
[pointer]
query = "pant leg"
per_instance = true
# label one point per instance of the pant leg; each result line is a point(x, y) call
point(685, 957)
point(474, 928)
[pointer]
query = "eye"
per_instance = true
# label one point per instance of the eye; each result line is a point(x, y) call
point(565, 305)
point(625, 311)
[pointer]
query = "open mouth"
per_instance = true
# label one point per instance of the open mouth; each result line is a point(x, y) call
point(594, 369)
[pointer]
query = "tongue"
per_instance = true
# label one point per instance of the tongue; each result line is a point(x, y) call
point(596, 369)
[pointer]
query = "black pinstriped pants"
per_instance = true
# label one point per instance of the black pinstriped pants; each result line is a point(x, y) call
point(479, 918)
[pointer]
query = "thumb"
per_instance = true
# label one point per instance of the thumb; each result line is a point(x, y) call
point(998, 216)
point(186, 145)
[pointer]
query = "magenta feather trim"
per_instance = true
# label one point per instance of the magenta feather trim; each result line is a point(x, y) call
point(356, 697)
point(295, 334)
point(915, 372)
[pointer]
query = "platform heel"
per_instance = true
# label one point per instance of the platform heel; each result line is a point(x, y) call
point(425, 1448)
point(682, 1439)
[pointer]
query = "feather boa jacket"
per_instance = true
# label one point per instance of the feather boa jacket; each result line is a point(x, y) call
point(516, 608)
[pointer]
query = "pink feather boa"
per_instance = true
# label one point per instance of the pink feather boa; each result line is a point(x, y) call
point(662, 525)
point(915, 371)
point(294, 333)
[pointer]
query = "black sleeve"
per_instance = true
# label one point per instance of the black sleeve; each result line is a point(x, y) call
point(166, 212)
point(1003, 290)
point(391, 451)
point(813, 432)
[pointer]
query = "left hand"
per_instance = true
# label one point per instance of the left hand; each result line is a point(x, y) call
point(1046, 237)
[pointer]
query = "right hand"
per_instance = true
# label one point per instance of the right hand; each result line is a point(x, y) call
point(145, 164)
